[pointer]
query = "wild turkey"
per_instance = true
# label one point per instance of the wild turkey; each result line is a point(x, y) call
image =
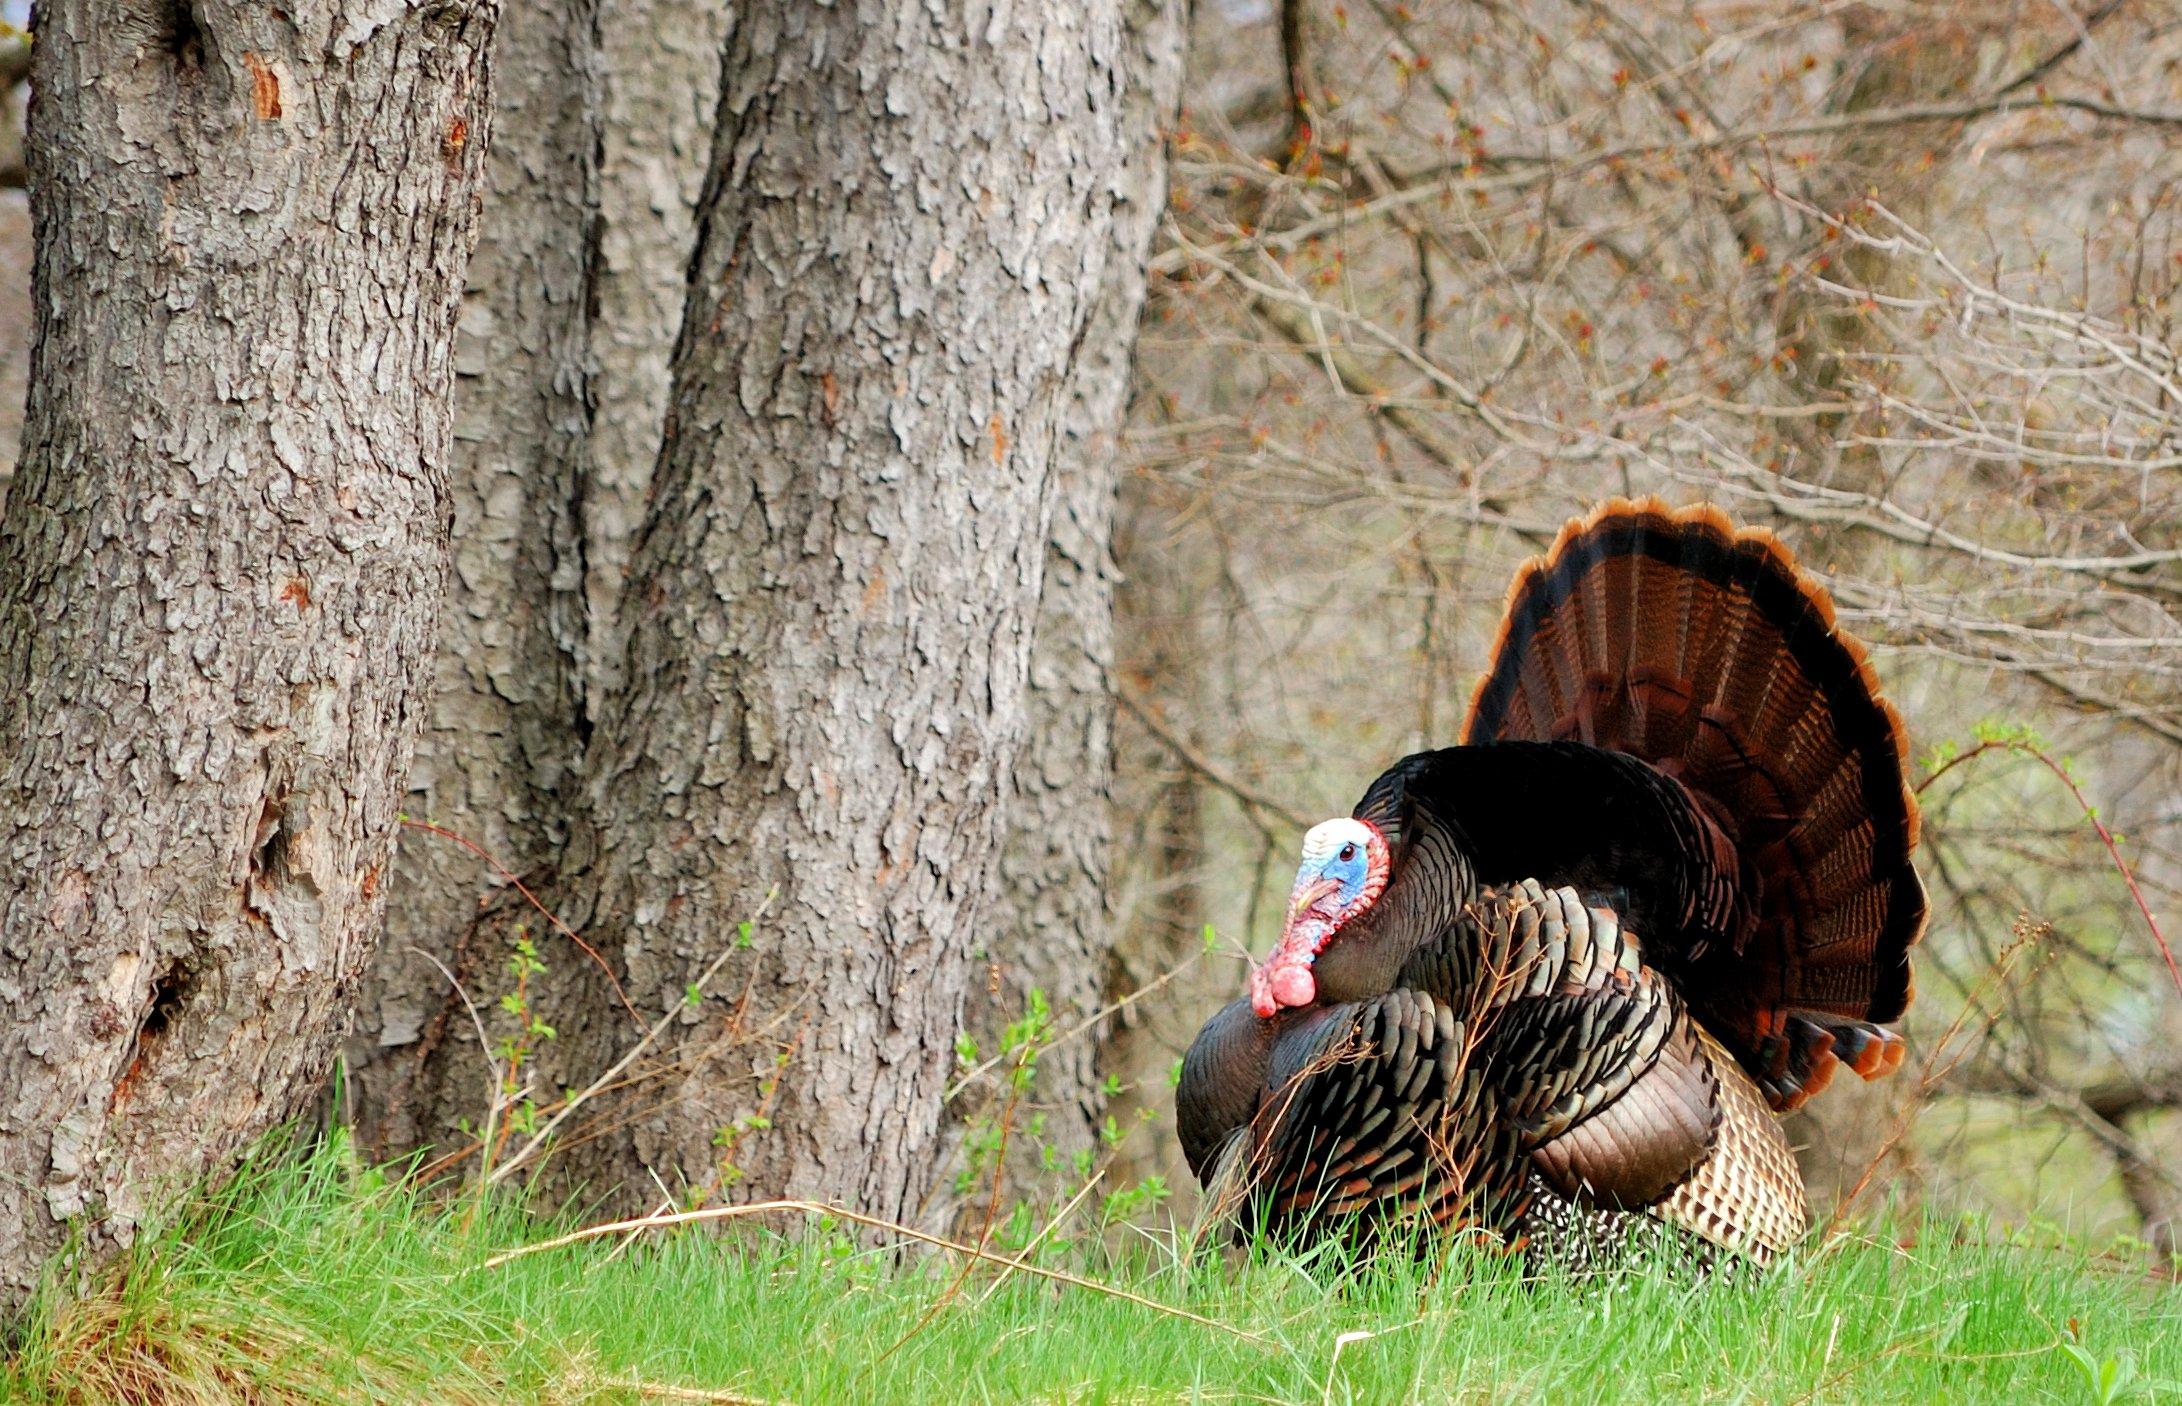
point(1565, 972)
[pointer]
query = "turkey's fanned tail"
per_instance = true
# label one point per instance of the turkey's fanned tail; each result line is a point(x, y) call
point(1670, 635)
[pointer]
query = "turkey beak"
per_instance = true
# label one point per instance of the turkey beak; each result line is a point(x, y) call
point(1309, 896)
point(1284, 977)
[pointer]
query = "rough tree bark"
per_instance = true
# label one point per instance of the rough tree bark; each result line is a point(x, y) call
point(605, 114)
point(902, 238)
point(505, 732)
point(1051, 924)
point(662, 96)
point(220, 569)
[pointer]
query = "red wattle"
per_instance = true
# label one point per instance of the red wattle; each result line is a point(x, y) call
point(1294, 986)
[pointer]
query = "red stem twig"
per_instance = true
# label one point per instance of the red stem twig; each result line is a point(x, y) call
point(2091, 813)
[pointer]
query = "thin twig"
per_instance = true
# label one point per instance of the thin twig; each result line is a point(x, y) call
point(494, 1082)
point(1111, 1008)
point(1530, 169)
point(820, 1208)
point(613, 1072)
point(2091, 813)
point(1050, 1226)
point(550, 916)
point(1197, 761)
point(666, 1204)
point(2028, 935)
point(664, 1392)
point(477, 1022)
point(992, 1208)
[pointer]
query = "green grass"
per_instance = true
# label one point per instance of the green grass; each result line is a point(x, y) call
point(312, 1280)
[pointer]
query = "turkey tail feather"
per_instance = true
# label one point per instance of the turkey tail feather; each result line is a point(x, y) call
point(1670, 635)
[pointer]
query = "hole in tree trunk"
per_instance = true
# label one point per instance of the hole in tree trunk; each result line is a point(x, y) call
point(183, 37)
point(271, 853)
point(168, 995)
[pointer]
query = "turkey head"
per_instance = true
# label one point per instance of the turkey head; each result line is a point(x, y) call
point(1345, 867)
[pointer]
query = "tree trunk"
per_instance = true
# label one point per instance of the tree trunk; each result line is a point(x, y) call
point(505, 732)
point(1051, 925)
point(662, 97)
point(220, 569)
point(903, 235)
point(575, 295)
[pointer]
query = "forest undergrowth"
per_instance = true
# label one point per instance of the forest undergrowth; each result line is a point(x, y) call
point(312, 1277)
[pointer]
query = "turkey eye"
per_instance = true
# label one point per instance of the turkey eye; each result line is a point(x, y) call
point(1348, 852)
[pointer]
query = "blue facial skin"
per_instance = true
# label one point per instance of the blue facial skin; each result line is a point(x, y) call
point(1346, 866)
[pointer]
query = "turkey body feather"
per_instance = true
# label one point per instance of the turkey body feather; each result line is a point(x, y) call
point(1663, 890)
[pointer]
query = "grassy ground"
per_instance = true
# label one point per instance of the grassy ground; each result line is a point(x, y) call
point(313, 1281)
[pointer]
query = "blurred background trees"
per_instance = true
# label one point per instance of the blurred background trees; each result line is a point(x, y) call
point(1895, 279)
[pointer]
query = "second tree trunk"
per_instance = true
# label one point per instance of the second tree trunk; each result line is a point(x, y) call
point(903, 234)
